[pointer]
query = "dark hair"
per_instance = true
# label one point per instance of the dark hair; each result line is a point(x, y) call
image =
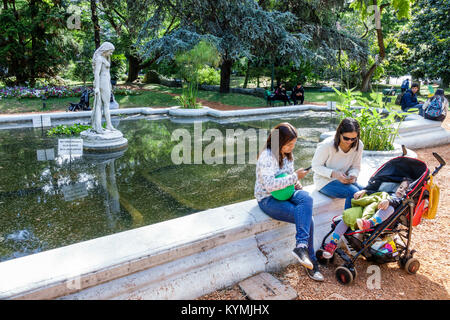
point(286, 133)
point(414, 84)
point(439, 92)
point(408, 180)
point(347, 125)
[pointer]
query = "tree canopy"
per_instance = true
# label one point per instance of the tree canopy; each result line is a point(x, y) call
point(359, 41)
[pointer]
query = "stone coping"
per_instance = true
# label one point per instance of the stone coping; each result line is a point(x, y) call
point(172, 111)
point(83, 268)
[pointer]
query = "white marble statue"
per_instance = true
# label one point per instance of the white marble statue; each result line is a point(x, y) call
point(101, 63)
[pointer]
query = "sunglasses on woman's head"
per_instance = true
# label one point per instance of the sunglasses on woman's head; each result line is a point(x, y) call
point(348, 139)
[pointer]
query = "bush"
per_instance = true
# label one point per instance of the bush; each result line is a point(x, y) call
point(209, 76)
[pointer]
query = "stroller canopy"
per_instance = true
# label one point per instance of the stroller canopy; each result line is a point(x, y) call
point(395, 170)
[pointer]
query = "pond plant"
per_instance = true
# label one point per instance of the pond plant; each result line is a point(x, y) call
point(379, 124)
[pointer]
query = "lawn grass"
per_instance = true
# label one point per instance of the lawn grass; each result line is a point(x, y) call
point(154, 95)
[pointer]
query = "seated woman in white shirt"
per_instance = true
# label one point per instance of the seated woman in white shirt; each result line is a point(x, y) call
point(337, 161)
point(336, 164)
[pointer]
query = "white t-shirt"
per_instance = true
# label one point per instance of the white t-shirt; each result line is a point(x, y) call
point(326, 160)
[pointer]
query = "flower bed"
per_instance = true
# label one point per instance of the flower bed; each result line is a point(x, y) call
point(53, 92)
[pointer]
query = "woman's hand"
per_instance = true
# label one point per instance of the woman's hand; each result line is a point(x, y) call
point(359, 194)
point(383, 205)
point(351, 179)
point(298, 186)
point(340, 177)
point(301, 173)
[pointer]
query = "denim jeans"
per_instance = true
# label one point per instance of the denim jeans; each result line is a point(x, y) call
point(337, 189)
point(417, 106)
point(297, 210)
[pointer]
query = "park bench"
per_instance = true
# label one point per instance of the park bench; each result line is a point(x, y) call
point(272, 103)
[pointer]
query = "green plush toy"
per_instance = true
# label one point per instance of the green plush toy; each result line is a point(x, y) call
point(283, 194)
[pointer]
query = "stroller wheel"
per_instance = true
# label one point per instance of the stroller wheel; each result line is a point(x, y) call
point(344, 275)
point(412, 266)
point(353, 271)
point(322, 260)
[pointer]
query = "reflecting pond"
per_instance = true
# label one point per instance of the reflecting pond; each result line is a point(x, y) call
point(49, 200)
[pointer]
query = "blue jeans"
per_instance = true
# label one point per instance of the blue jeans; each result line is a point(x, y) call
point(297, 210)
point(417, 106)
point(337, 189)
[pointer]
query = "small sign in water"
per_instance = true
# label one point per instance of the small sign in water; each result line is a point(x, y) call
point(331, 105)
point(74, 191)
point(45, 155)
point(70, 147)
point(41, 121)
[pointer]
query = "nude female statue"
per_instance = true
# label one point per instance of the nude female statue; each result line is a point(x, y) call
point(101, 63)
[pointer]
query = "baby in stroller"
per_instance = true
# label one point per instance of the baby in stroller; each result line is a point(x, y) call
point(364, 214)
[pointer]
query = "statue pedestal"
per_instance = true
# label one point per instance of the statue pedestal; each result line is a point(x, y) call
point(108, 141)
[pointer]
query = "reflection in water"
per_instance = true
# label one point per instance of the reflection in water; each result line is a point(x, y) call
point(49, 202)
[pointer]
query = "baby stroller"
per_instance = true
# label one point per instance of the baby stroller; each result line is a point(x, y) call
point(83, 105)
point(398, 227)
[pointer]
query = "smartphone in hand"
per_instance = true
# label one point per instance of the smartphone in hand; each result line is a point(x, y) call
point(307, 169)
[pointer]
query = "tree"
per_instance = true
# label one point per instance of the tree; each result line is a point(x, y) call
point(318, 19)
point(237, 29)
point(35, 42)
point(95, 23)
point(372, 10)
point(428, 38)
point(127, 18)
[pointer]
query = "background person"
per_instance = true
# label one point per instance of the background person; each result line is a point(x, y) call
point(280, 94)
point(405, 85)
point(409, 99)
point(436, 107)
point(298, 93)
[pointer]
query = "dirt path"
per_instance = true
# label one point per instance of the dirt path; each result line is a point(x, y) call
point(430, 239)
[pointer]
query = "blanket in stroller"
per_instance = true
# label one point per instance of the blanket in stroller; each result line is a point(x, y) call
point(364, 207)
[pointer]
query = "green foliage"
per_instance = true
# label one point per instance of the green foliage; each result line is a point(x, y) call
point(63, 130)
point(190, 64)
point(378, 131)
point(118, 66)
point(35, 42)
point(192, 61)
point(208, 75)
point(428, 38)
point(188, 98)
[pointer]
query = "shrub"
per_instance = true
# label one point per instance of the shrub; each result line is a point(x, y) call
point(209, 76)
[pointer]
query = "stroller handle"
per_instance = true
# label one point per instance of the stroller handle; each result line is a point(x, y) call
point(439, 159)
point(441, 163)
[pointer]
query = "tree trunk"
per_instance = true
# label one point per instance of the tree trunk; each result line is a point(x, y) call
point(247, 75)
point(367, 76)
point(96, 25)
point(34, 44)
point(366, 84)
point(134, 66)
point(225, 76)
